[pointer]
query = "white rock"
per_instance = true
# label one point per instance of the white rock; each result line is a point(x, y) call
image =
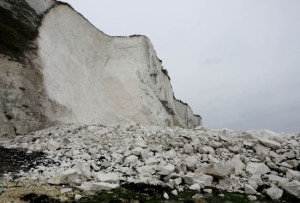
point(151, 161)
point(270, 143)
point(293, 188)
point(261, 151)
point(216, 145)
point(170, 154)
point(116, 155)
point(195, 186)
point(248, 143)
point(249, 190)
point(237, 164)
point(203, 178)
point(106, 164)
point(86, 156)
point(206, 150)
point(278, 159)
point(277, 179)
point(65, 190)
point(272, 165)
point(235, 149)
point(255, 181)
point(289, 155)
point(273, 154)
point(286, 165)
point(66, 177)
point(103, 186)
point(177, 181)
point(188, 149)
point(137, 151)
point(207, 190)
point(293, 175)
point(131, 160)
point(190, 162)
point(145, 170)
point(252, 197)
point(108, 177)
point(274, 192)
point(93, 150)
point(166, 196)
point(77, 197)
point(223, 138)
point(95, 167)
point(293, 163)
point(167, 169)
point(188, 179)
point(195, 140)
point(174, 192)
point(257, 168)
point(83, 168)
point(76, 152)
point(140, 142)
point(294, 143)
point(52, 145)
point(217, 170)
point(76, 182)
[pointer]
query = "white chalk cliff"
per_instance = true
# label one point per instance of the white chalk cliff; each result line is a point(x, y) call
point(87, 76)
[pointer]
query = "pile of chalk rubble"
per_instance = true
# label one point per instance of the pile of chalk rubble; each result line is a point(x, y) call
point(103, 156)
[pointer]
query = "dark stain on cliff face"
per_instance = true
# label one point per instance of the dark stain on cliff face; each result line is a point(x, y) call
point(18, 28)
point(21, 89)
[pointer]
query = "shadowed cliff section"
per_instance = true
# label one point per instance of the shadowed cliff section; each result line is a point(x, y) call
point(21, 87)
point(56, 67)
point(18, 28)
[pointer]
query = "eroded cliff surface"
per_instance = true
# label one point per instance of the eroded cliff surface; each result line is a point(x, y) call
point(56, 67)
point(21, 79)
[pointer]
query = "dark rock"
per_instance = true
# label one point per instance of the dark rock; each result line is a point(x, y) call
point(14, 160)
point(35, 198)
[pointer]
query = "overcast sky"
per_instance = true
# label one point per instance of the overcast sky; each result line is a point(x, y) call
point(235, 62)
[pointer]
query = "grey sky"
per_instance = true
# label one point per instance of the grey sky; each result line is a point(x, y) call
point(235, 62)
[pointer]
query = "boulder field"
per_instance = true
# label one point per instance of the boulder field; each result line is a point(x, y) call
point(104, 156)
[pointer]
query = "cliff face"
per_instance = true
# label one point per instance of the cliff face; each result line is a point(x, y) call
point(21, 79)
point(65, 70)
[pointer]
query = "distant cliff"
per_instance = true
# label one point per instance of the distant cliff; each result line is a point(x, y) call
point(56, 67)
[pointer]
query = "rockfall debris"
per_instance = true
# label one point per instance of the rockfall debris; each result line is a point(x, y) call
point(103, 157)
